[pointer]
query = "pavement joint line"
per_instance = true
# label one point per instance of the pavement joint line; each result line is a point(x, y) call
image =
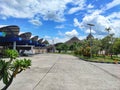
point(46, 74)
point(106, 71)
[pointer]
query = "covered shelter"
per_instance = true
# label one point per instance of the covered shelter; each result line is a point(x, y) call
point(25, 38)
point(34, 40)
point(9, 36)
point(10, 31)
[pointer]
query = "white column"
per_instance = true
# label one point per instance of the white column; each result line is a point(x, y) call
point(14, 45)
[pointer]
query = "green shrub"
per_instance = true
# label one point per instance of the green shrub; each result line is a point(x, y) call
point(9, 69)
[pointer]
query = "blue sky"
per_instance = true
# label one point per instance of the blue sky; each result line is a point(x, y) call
point(59, 20)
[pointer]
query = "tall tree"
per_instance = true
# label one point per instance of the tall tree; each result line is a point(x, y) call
point(116, 46)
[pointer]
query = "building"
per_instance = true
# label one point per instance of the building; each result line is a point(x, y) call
point(10, 37)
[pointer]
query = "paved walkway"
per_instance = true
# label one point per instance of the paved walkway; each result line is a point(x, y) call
point(65, 72)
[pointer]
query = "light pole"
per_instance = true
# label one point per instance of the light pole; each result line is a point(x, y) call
point(90, 25)
point(108, 30)
point(53, 46)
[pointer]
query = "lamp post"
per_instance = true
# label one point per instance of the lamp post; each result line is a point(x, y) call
point(108, 30)
point(90, 25)
point(53, 46)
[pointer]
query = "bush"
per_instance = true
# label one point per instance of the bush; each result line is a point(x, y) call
point(86, 52)
point(9, 69)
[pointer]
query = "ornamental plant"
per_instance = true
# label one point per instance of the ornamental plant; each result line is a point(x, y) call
point(10, 68)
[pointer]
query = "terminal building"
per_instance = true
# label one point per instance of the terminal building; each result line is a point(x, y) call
point(10, 37)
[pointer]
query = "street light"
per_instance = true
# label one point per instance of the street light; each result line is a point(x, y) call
point(90, 25)
point(108, 30)
point(53, 46)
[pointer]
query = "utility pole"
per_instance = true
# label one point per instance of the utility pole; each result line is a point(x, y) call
point(90, 25)
point(53, 46)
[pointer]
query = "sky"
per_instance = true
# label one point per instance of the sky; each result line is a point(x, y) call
point(60, 20)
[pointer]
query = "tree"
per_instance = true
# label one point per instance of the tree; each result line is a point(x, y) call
point(116, 46)
point(58, 47)
point(105, 44)
point(74, 46)
point(108, 39)
point(64, 47)
point(96, 46)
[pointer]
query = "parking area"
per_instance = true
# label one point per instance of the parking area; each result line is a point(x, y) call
point(66, 72)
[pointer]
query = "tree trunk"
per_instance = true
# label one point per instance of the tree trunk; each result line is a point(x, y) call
point(8, 84)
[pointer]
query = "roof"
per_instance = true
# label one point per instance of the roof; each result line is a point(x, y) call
point(34, 38)
point(11, 30)
point(26, 35)
point(45, 42)
point(90, 36)
point(40, 40)
point(72, 40)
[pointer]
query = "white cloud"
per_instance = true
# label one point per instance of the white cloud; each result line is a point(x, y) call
point(82, 37)
point(112, 4)
point(114, 15)
point(100, 22)
point(90, 6)
point(79, 5)
point(88, 31)
point(47, 9)
point(57, 40)
point(73, 10)
point(71, 33)
point(77, 23)
point(3, 26)
point(35, 22)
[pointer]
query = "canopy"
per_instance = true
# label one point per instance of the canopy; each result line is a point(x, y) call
point(26, 35)
point(34, 38)
point(11, 30)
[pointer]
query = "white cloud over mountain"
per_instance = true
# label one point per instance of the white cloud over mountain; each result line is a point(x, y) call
point(72, 33)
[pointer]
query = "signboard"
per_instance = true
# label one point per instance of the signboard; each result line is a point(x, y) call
point(2, 34)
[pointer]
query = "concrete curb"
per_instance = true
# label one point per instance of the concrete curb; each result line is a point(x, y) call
point(99, 61)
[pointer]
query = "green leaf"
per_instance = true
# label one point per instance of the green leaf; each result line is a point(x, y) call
point(5, 77)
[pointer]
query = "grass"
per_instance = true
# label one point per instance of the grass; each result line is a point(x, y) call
point(101, 59)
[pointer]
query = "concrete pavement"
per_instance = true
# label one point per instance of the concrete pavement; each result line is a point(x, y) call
point(65, 72)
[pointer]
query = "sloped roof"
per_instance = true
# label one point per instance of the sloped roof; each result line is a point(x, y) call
point(45, 42)
point(11, 30)
point(72, 40)
point(26, 35)
point(40, 40)
point(34, 38)
point(90, 36)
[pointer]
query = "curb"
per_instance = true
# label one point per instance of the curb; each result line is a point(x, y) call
point(100, 61)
